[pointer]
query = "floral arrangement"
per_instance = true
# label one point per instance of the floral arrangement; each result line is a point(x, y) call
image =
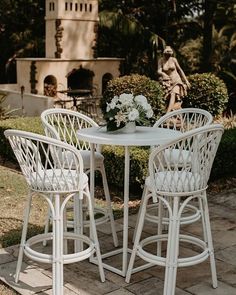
point(127, 108)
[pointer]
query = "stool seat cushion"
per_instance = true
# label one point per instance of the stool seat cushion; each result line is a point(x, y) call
point(57, 180)
point(176, 181)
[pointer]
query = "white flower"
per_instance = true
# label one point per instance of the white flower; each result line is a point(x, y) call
point(120, 117)
point(141, 100)
point(108, 108)
point(133, 115)
point(127, 108)
point(112, 104)
point(149, 113)
point(126, 98)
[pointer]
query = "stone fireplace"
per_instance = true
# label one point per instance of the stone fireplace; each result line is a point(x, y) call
point(69, 64)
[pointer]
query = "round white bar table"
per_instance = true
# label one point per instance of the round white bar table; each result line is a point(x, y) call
point(144, 136)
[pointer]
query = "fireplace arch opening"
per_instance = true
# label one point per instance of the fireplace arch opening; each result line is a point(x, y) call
point(50, 86)
point(105, 79)
point(80, 79)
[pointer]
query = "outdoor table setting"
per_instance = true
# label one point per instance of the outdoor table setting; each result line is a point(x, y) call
point(183, 144)
point(143, 136)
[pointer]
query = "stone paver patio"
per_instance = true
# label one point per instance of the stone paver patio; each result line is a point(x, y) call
point(82, 278)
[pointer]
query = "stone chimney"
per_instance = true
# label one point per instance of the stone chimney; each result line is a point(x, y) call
point(71, 28)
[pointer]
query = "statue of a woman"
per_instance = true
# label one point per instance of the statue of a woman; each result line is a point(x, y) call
point(173, 79)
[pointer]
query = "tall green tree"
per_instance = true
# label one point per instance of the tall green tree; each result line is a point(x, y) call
point(138, 30)
point(21, 30)
point(218, 14)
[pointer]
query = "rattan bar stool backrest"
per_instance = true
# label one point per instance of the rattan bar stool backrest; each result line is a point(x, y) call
point(187, 173)
point(48, 165)
point(63, 124)
point(185, 119)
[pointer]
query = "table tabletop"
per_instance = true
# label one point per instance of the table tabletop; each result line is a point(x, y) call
point(143, 136)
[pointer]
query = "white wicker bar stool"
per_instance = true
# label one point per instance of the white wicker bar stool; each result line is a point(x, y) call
point(63, 125)
point(183, 120)
point(176, 186)
point(54, 170)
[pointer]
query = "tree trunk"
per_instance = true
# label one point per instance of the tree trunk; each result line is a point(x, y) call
point(209, 8)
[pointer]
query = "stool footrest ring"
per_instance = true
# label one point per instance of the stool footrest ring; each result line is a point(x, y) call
point(181, 262)
point(66, 258)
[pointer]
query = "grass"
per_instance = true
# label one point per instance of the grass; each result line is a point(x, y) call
point(13, 194)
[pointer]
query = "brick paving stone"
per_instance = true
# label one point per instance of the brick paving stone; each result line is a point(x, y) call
point(229, 277)
point(7, 255)
point(224, 198)
point(121, 291)
point(152, 286)
point(206, 289)
point(31, 280)
point(105, 228)
point(224, 238)
point(228, 255)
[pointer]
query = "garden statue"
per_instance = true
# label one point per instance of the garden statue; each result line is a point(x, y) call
point(173, 79)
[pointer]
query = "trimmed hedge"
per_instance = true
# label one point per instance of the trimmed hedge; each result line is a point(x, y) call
point(207, 92)
point(136, 84)
point(224, 164)
point(225, 160)
point(31, 124)
point(114, 163)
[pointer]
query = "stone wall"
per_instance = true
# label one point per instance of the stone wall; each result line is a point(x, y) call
point(26, 104)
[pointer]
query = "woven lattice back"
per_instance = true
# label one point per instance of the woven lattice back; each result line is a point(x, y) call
point(48, 165)
point(63, 124)
point(185, 119)
point(190, 171)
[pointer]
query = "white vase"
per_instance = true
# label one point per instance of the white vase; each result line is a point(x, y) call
point(130, 127)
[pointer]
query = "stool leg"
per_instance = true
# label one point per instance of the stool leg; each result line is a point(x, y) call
point(65, 246)
point(109, 207)
point(57, 252)
point(139, 212)
point(47, 221)
point(78, 221)
point(203, 218)
point(159, 225)
point(209, 241)
point(142, 213)
point(172, 250)
point(93, 234)
point(23, 237)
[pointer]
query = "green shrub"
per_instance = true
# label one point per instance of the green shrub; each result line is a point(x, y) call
point(31, 124)
point(225, 160)
point(114, 162)
point(136, 84)
point(224, 165)
point(207, 92)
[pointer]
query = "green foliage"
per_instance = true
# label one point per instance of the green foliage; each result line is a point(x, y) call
point(207, 92)
point(225, 161)
point(136, 84)
point(21, 30)
point(114, 158)
point(191, 55)
point(31, 124)
point(13, 236)
point(224, 165)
